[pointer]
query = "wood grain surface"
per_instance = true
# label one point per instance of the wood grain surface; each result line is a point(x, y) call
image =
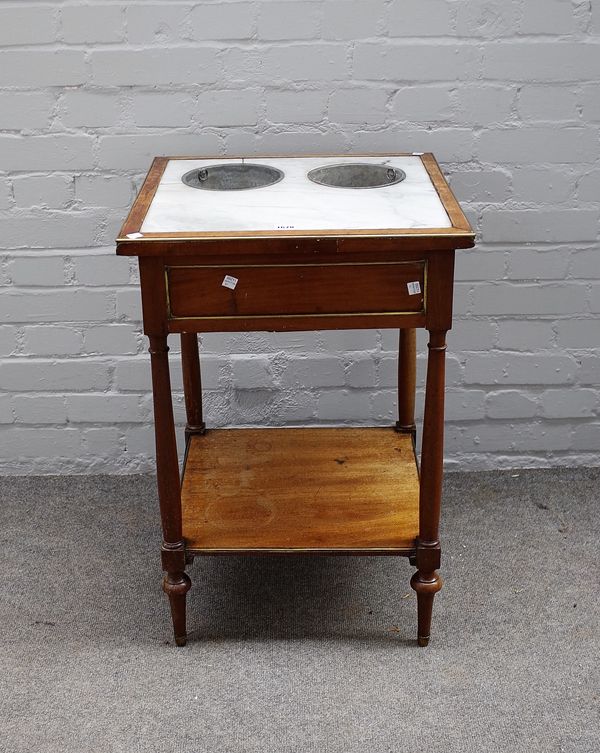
point(300, 489)
point(295, 289)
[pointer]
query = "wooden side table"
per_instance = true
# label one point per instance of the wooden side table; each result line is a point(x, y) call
point(282, 258)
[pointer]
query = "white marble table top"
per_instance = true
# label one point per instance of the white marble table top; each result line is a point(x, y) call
point(295, 203)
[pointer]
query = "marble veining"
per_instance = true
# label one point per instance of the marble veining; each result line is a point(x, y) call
point(296, 203)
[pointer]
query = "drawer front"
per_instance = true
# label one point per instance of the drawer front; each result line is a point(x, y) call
point(296, 290)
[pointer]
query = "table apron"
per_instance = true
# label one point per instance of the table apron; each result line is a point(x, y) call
point(296, 296)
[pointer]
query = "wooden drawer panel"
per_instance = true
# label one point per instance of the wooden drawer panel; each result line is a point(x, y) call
point(295, 290)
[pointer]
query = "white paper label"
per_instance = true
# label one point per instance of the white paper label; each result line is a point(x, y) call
point(414, 288)
point(229, 282)
point(418, 154)
point(133, 236)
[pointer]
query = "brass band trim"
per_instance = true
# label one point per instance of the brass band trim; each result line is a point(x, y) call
point(300, 264)
point(417, 233)
point(403, 551)
point(214, 317)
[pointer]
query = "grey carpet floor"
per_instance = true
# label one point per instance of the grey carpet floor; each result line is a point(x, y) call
point(301, 654)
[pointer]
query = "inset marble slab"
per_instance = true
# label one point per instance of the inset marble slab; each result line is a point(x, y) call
point(296, 203)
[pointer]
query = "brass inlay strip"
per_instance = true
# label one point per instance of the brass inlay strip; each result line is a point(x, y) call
point(417, 233)
point(302, 264)
point(295, 316)
point(299, 550)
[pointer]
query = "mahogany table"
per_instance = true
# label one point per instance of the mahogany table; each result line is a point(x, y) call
point(298, 256)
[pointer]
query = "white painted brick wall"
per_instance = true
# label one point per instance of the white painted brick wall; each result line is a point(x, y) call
point(506, 93)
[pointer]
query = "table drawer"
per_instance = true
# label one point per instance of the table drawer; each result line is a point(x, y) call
point(295, 290)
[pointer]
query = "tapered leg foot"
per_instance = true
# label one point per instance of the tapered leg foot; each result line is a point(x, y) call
point(176, 586)
point(426, 585)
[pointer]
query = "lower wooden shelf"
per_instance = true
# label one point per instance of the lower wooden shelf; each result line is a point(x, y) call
point(293, 490)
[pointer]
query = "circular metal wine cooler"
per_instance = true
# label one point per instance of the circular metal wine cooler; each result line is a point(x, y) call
point(356, 175)
point(238, 176)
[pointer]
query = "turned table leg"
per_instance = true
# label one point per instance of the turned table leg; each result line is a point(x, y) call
point(407, 380)
point(426, 581)
point(426, 585)
point(192, 383)
point(176, 583)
